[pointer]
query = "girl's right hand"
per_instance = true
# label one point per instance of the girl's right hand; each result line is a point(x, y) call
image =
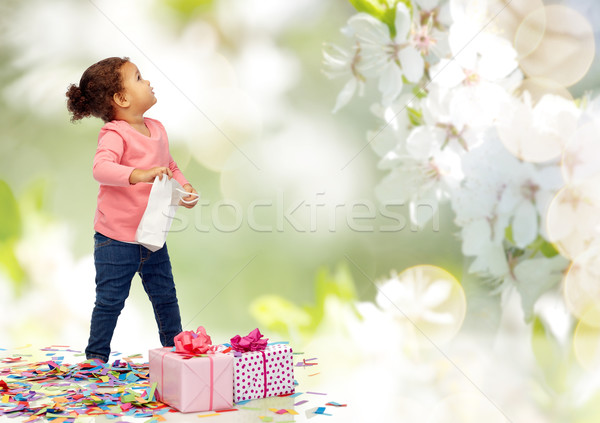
point(148, 175)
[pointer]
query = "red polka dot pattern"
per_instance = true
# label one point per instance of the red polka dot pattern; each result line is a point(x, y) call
point(249, 376)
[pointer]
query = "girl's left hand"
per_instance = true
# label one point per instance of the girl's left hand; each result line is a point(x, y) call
point(189, 198)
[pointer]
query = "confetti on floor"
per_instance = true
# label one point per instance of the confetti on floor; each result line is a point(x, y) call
point(321, 410)
point(301, 402)
point(63, 392)
point(54, 391)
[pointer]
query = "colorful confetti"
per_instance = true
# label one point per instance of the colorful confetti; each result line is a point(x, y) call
point(301, 402)
point(57, 392)
point(335, 404)
point(63, 392)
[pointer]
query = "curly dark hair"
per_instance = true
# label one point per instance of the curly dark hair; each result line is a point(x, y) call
point(98, 84)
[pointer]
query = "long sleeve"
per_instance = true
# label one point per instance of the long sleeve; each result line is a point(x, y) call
point(177, 174)
point(107, 168)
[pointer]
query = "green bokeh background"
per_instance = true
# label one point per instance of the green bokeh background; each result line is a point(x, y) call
point(45, 171)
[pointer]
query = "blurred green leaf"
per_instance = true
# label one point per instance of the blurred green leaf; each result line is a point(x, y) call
point(543, 246)
point(10, 217)
point(279, 315)
point(9, 263)
point(188, 8)
point(539, 245)
point(10, 232)
point(552, 358)
point(339, 284)
point(33, 199)
point(419, 92)
point(548, 249)
point(590, 411)
point(372, 7)
point(508, 234)
point(415, 116)
point(282, 316)
point(383, 10)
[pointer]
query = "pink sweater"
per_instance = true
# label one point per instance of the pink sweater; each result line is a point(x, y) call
point(120, 150)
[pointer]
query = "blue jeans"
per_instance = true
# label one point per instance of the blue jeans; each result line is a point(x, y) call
point(116, 264)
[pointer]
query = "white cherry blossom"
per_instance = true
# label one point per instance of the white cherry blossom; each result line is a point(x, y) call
point(498, 192)
point(429, 33)
point(385, 57)
point(472, 99)
point(414, 298)
point(425, 299)
point(530, 190)
point(396, 125)
point(538, 132)
point(466, 133)
point(447, 130)
point(581, 156)
point(480, 73)
point(343, 63)
point(422, 183)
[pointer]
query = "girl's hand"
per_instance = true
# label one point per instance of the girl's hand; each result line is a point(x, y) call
point(148, 175)
point(189, 198)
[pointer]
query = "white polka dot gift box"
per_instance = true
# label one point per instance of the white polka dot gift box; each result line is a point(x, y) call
point(259, 369)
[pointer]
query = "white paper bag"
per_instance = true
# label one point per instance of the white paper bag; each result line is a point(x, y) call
point(162, 205)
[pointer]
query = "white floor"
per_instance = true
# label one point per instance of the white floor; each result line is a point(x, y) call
point(253, 411)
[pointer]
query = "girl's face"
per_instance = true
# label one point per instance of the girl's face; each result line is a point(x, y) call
point(137, 90)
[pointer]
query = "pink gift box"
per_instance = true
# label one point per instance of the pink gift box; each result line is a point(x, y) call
point(192, 384)
point(260, 374)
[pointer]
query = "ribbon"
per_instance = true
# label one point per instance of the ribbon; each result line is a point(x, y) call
point(190, 342)
point(212, 383)
point(265, 374)
point(159, 395)
point(250, 342)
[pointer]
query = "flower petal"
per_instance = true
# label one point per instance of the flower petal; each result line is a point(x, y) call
point(390, 83)
point(427, 4)
point(490, 260)
point(436, 293)
point(423, 208)
point(476, 235)
point(423, 141)
point(402, 22)
point(368, 29)
point(447, 73)
point(438, 318)
point(525, 224)
point(535, 277)
point(346, 94)
point(412, 63)
point(498, 59)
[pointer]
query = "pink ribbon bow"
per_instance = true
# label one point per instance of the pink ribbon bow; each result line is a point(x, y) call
point(190, 342)
point(250, 342)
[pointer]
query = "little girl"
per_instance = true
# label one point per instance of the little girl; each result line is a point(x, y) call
point(131, 149)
